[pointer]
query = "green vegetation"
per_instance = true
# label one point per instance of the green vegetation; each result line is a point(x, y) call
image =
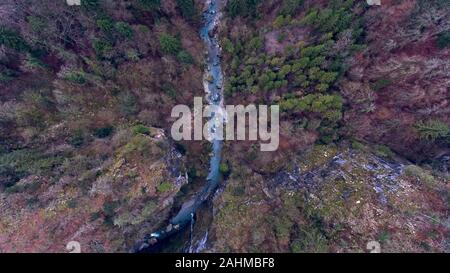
point(7, 75)
point(282, 21)
point(184, 57)
point(77, 139)
point(244, 8)
point(304, 68)
point(103, 132)
point(357, 145)
point(169, 44)
point(128, 103)
point(124, 29)
point(228, 46)
point(384, 151)
point(310, 240)
point(141, 129)
point(109, 211)
point(17, 164)
point(150, 4)
point(12, 40)
point(37, 24)
point(312, 69)
point(420, 174)
point(90, 4)
point(127, 218)
point(32, 62)
point(336, 18)
point(102, 47)
point(323, 112)
point(141, 146)
point(106, 25)
point(78, 77)
point(290, 7)
point(443, 40)
point(224, 168)
point(432, 130)
point(100, 66)
point(164, 187)
point(187, 8)
point(381, 83)
point(329, 105)
point(170, 90)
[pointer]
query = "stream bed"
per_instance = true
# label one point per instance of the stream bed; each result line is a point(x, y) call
point(188, 215)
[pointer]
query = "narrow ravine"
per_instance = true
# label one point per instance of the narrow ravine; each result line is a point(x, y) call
point(213, 85)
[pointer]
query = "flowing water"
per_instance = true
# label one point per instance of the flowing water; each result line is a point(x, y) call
point(213, 85)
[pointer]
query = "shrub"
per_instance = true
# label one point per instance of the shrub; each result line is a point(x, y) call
point(109, 210)
point(105, 24)
point(289, 7)
point(184, 57)
point(164, 187)
point(312, 51)
point(39, 98)
point(128, 103)
point(133, 55)
point(335, 18)
point(328, 77)
point(255, 44)
point(7, 74)
point(37, 24)
point(443, 40)
point(310, 240)
point(170, 90)
point(12, 40)
point(124, 29)
point(320, 103)
point(384, 151)
point(32, 117)
point(32, 62)
point(228, 46)
point(150, 4)
point(432, 130)
point(322, 87)
point(281, 21)
point(419, 173)
point(187, 8)
point(242, 8)
point(224, 169)
point(140, 145)
point(148, 210)
point(381, 83)
point(77, 139)
point(103, 132)
point(17, 164)
point(78, 77)
point(357, 145)
point(102, 47)
point(90, 4)
point(282, 227)
point(141, 129)
point(169, 44)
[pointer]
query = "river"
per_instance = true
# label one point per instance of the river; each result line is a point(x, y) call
point(213, 85)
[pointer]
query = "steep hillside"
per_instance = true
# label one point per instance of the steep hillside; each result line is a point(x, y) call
point(85, 100)
point(372, 79)
point(86, 94)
